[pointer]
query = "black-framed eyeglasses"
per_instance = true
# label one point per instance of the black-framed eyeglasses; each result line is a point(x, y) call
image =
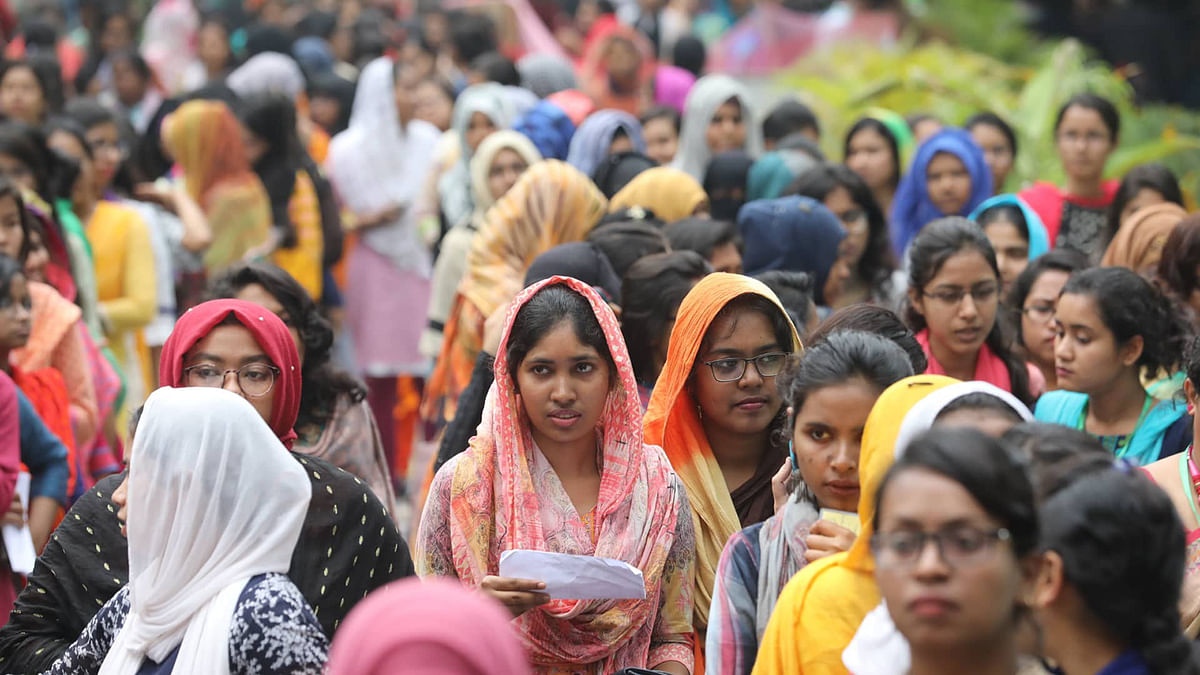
point(1039, 313)
point(980, 294)
point(731, 369)
point(956, 545)
point(254, 379)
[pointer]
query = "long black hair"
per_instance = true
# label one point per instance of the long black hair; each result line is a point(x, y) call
point(651, 293)
point(322, 383)
point(890, 138)
point(842, 356)
point(1130, 306)
point(873, 319)
point(549, 307)
point(877, 262)
point(272, 118)
point(1153, 176)
point(1123, 550)
point(933, 246)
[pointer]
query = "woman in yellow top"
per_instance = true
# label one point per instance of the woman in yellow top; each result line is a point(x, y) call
point(273, 148)
point(204, 138)
point(123, 260)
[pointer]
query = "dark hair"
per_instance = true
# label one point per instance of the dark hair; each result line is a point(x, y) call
point(1192, 361)
point(67, 125)
point(543, 312)
point(1123, 550)
point(625, 243)
point(989, 469)
point(981, 401)
point(880, 128)
point(322, 383)
point(27, 145)
point(1004, 213)
point(317, 24)
point(795, 293)
point(495, 67)
point(933, 246)
point(991, 119)
point(877, 262)
point(9, 189)
point(1181, 258)
point(663, 112)
point(1130, 306)
point(873, 319)
point(1057, 454)
point(261, 38)
point(46, 71)
point(89, 113)
point(790, 116)
point(690, 54)
point(338, 88)
point(1065, 260)
point(914, 120)
point(702, 235)
point(1153, 176)
point(471, 35)
point(1103, 107)
point(652, 290)
point(842, 356)
point(9, 269)
point(135, 60)
point(272, 117)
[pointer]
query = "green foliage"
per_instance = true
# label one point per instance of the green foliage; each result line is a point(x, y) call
point(954, 83)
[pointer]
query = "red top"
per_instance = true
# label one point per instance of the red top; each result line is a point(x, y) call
point(1046, 199)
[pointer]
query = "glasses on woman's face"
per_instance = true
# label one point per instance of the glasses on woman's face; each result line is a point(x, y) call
point(957, 546)
point(1039, 313)
point(953, 297)
point(255, 380)
point(732, 369)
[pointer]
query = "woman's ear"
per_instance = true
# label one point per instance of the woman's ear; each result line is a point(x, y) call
point(1131, 351)
point(1045, 570)
point(1189, 392)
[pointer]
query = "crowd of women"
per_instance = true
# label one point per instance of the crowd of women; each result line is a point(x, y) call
point(249, 260)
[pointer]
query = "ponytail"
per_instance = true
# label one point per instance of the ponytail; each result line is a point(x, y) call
point(1164, 648)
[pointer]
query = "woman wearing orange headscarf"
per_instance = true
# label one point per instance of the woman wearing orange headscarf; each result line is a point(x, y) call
point(551, 204)
point(1138, 244)
point(205, 140)
point(717, 413)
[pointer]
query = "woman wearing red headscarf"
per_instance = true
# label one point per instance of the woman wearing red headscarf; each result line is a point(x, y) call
point(348, 545)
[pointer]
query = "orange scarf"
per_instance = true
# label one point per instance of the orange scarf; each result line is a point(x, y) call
point(47, 393)
point(673, 422)
point(552, 203)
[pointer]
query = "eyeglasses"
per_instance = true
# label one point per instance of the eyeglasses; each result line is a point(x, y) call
point(255, 380)
point(980, 294)
point(732, 369)
point(956, 546)
point(1039, 313)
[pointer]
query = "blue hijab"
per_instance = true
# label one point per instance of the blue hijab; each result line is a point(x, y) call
point(548, 126)
point(1039, 241)
point(912, 209)
point(594, 137)
point(796, 234)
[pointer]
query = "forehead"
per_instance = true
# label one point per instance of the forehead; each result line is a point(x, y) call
point(741, 328)
point(919, 495)
point(227, 343)
point(1078, 309)
point(560, 341)
point(964, 268)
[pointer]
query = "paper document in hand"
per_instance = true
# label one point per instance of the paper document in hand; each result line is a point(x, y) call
point(18, 540)
point(575, 577)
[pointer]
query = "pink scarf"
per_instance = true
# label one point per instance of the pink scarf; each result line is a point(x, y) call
point(496, 505)
point(988, 367)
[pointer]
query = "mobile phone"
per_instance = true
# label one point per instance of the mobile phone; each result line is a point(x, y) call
point(846, 519)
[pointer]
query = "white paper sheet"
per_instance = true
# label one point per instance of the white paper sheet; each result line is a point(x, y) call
point(18, 541)
point(575, 577)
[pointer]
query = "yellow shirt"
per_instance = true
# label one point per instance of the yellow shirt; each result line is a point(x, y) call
point(304, 260)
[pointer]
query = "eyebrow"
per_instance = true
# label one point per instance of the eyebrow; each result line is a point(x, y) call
point(205, 356)
point(575, 359)
point(912, 523)
point(729, 351)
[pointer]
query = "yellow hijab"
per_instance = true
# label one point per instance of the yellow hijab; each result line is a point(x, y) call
point(824, 604)
point(670, 193)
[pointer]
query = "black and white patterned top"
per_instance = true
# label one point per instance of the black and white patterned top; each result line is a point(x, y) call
point(274, 632)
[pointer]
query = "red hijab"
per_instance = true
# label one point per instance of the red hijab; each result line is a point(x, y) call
point(270, 333)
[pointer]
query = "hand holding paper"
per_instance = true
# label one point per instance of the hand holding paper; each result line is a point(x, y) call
point(575, 577)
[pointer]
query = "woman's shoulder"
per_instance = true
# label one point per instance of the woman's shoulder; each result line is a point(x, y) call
point(274, 629)
point(269, 594)
point(1058, 406)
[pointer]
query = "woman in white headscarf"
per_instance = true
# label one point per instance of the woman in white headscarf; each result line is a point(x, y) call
point(480, 111)
point(377, 168)
point(212, 506)
point(718, 117)
point(497, 164)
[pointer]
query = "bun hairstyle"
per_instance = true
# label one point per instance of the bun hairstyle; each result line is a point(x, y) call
point(1130, 306)
point(1123, 550)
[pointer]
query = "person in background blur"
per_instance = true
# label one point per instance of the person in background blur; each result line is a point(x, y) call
point(999, 144)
